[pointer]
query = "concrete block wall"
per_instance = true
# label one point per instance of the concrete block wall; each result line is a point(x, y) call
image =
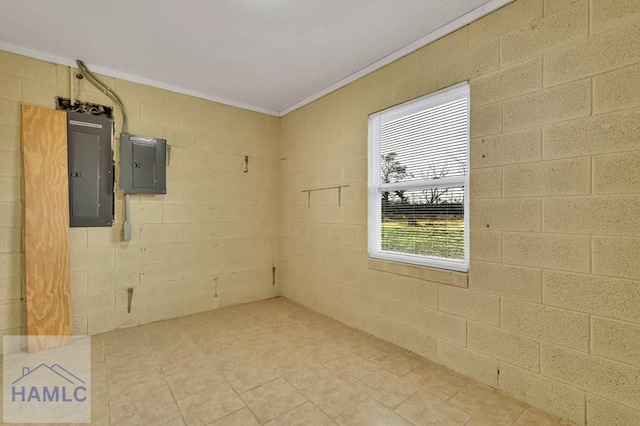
point(209, 242)
point(549, 311)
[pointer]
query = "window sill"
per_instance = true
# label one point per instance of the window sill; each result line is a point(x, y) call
point(440, 276)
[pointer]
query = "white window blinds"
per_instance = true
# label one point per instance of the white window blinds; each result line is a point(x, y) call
point(418, 180)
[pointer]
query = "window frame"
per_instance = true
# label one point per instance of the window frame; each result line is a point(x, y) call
point(376, 187)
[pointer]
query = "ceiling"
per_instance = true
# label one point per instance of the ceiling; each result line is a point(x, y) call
point(265, 55)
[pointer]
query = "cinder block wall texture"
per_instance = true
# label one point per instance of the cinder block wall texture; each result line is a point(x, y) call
point(210, 242)
point(550, 311)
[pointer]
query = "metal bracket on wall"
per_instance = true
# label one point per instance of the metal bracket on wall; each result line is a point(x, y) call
point(129, 299)
point(339, 188)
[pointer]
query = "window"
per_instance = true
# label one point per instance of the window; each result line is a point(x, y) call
point(419, 181)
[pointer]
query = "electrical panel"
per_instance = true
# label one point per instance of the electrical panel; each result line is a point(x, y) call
point(91, 169)
point(143, 167)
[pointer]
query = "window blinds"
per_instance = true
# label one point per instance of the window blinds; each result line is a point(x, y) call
point(418, 181)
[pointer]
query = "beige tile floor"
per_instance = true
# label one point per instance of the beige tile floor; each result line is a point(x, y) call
point(277, 363)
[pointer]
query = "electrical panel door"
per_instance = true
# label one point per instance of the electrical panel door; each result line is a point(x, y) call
point(90, 156)
point(143, 168)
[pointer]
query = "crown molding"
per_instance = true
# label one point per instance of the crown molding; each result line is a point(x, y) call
point(423, 41)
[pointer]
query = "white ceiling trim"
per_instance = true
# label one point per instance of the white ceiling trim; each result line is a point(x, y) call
point(452, 26)
point(429, 38)
point(8, 47)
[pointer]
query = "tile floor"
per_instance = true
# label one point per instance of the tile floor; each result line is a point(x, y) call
point(277, 363)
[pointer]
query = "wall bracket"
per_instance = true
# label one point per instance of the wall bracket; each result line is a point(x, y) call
point(339, 188)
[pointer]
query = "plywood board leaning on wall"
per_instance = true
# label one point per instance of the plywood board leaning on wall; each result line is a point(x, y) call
point(46, 200)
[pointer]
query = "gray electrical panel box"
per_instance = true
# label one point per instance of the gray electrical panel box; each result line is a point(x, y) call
point(143, 165)
point(91, 169)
